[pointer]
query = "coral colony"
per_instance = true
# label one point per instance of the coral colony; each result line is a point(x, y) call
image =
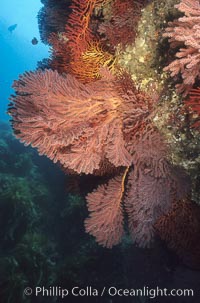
point(85, 112)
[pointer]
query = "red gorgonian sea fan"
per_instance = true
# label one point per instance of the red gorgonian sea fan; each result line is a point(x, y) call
point(105, 222)
point(121, 27)
point(152, 184)
point(78, 25)
point(180, 229)
point(82, 127)
point(78, 125)
point(185, 33)
point(193, 102)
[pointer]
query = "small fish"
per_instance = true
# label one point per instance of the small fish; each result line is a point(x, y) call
point(34, 41)
point(12, 28)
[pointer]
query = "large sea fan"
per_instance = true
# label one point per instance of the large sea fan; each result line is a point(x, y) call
point(75, 124)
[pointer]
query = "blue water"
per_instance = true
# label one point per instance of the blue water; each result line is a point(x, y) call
point(17, 53)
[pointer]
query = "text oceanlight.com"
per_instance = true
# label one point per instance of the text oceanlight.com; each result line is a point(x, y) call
point(112, 291)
